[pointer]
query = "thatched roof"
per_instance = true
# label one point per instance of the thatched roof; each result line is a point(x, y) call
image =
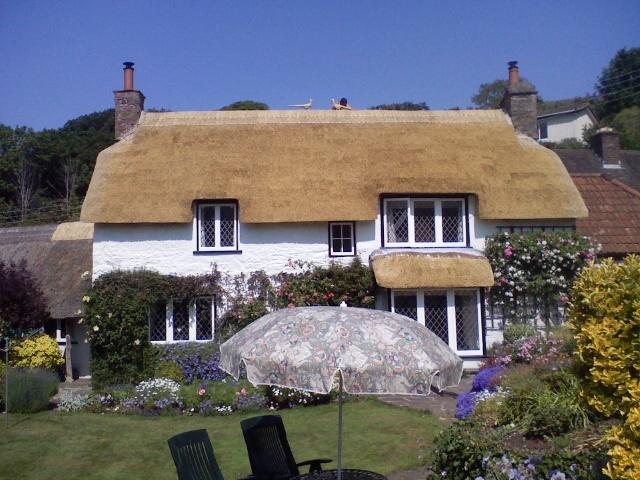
point(297, 166)
point(58, 265)
point(431, 269)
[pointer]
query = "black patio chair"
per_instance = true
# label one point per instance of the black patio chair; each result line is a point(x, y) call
point(269, 451)
point(193, 455)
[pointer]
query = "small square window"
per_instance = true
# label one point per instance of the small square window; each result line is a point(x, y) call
point(342, 240)
point(217, 225)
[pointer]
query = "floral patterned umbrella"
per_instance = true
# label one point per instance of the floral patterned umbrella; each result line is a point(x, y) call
point(375, 352)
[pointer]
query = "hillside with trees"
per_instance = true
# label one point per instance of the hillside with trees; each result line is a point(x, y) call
point(45, 174)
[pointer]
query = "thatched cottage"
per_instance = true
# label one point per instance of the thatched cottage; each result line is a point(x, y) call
point(414, 194)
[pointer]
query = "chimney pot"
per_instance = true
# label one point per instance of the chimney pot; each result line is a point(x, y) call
point(129, 104)
point(514, 73)
point(128, 75)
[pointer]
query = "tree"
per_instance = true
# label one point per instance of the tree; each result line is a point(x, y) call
point(619, 83)
point(22, 303)
point(246, 105)
point(490, 95)
point(627, 123)
point(406, 106)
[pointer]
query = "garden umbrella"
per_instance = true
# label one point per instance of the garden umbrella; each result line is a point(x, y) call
point(375, 352)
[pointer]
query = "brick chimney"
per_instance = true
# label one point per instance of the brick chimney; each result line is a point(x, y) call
point(520, 102)
point(606, 144)
point(129, 104)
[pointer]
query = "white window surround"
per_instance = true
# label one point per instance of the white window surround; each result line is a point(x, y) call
point(437, 206)
point(169, 324)
point(213, 232)
point(341, 239)
point(451, 315)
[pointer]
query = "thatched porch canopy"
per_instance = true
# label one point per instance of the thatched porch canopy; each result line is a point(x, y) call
point(395, 268)
point(303, 166)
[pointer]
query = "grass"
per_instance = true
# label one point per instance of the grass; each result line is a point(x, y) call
point(88, 446)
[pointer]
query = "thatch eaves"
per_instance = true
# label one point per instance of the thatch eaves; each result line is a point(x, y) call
point(299, 166)
point(61, 267)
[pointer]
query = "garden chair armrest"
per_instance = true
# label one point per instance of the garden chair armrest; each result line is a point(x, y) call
point(315, 464)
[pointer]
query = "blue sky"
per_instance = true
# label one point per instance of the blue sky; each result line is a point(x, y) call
point(62, 59)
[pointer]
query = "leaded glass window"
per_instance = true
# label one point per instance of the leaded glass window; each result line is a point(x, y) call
point(204, 317)
point(424, 222)
point(217, 226)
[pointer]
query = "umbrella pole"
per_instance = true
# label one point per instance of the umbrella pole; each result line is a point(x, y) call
point(340, 429)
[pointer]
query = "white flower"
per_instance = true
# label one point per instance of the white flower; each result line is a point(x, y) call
point(80, 321)
point(86, 299)
point(109, 314)
point(78, 312)
point(96, 328)
point(85, 274)
point(136, 341)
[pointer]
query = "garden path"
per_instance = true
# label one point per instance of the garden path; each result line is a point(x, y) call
point(442, 405)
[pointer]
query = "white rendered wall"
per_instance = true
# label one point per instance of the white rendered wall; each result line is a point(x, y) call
point(566, 126)
point(169, 248)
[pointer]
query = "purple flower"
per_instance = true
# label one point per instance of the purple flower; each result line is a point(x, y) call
point(465, 404)
point(485, 378)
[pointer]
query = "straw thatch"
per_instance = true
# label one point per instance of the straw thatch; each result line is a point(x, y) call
point(61, 267)
point(411, 269)
point(297, 166)
point(73, 231)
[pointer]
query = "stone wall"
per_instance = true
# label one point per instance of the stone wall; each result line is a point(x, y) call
point(129, 105)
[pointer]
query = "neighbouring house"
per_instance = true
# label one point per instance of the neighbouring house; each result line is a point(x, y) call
point(413, 194)
point(565, 122)
point(608, 179)
point(59, 257)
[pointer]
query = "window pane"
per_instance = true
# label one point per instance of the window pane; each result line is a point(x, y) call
point(227, 226)
point(435, 314)
point(181, 320)
point(397, 221)
point(203, 319)
point(208, 226)
point(336, 231)
point(336, 245)
point(467, 330)
point(424, 217)
point(158, 322)
point(346, 245)
point(405, 303)
point(452, 222)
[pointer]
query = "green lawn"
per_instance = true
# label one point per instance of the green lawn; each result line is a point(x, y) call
point(89, 446)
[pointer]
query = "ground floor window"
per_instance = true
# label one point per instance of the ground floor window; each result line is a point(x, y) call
point(182, 321)
point(453, 315)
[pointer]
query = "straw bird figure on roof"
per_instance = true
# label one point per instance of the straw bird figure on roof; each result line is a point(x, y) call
point(306, 106)
point(342, 105)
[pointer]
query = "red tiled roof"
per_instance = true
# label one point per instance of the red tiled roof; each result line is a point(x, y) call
point(614, 213)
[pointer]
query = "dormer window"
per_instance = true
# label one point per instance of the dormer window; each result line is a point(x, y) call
point(217, 226)
point(424, 222)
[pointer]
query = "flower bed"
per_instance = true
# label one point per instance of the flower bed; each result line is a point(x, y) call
point(523, 419)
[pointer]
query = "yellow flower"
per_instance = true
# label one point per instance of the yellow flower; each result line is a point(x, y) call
point(86, 299)
point(96, 328)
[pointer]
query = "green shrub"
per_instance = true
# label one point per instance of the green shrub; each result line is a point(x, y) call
point(331, 285)
point(172, 370)
point(460, 450)
point(605, 317)
point(117, 308)
point(517, 331)
point(72, 402)
point(542, 404)
point(41, 351)
point(30, 389)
